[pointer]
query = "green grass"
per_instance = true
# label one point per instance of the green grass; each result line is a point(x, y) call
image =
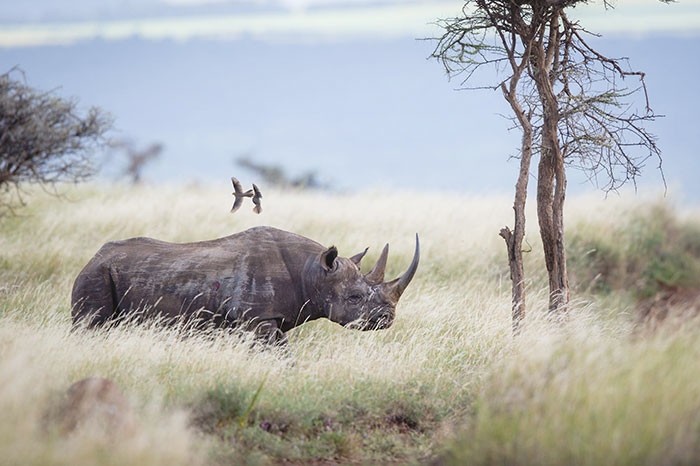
point(447, 381)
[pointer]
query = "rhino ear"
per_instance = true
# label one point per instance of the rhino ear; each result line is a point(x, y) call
point(357, 258)
point(328, 258)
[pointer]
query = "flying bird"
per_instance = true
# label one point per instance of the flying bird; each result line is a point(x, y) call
point(239, 194)
point(256, 200)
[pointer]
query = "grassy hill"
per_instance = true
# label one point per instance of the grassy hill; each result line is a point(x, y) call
point(447, 382)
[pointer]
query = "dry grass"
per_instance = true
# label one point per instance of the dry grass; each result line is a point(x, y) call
point(447, 377)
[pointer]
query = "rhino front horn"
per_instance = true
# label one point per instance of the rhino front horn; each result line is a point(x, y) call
point(397, 286)
point(376, 275)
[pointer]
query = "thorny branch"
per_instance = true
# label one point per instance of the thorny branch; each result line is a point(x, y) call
point(599, 126)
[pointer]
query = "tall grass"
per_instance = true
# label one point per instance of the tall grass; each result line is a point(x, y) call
point(447, 379)
point(578, 398)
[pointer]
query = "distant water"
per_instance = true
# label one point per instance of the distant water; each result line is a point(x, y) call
point(360, 114)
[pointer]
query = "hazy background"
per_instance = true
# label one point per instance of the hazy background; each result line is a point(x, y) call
point(342, 88)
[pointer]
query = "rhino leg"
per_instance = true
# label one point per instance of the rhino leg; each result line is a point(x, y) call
point(93, 302)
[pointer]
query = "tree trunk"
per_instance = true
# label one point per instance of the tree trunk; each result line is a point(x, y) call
point(551, 178)
point(551, 192)
point(560, 300)
point(514, 239)
point(517, 273)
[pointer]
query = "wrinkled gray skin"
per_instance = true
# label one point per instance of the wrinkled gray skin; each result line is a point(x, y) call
point(263, 279)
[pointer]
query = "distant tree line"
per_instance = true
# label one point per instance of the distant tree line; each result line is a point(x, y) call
point(275, 175)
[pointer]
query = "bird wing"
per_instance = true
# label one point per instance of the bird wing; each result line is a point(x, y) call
point(237, 204)
point(236, 185)
point(258, 194)
point(257, 209)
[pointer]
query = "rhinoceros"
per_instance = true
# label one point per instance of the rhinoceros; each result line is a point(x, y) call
point(262, 279)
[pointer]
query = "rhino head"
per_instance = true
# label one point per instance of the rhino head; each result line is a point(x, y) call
point(342, 293)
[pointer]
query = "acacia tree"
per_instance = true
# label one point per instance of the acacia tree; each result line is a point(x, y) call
point(137, 159)
point(43, 139)
point(571, 103)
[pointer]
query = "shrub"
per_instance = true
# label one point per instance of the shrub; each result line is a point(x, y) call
point(44, 139)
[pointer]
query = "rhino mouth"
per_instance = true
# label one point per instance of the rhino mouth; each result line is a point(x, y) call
point(379, 324)
point(379, 321)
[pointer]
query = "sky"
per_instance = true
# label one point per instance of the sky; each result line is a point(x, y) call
point(343, 88)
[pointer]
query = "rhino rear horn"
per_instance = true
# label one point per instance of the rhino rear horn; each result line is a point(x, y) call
point(376, 276)
point(357, 258)
point(396, 287)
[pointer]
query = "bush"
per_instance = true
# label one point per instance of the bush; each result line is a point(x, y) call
point(651, 250)
point(43, 139)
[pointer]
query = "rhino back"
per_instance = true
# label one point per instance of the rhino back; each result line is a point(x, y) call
point(255, 273)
